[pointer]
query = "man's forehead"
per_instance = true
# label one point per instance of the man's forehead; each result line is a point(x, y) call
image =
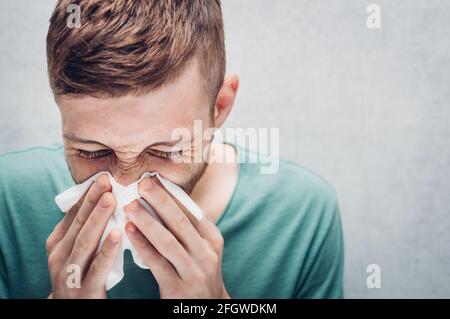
point(181, 95)
point(128, 118)
point(176, 107)
point(135, 120)
point(126, 139)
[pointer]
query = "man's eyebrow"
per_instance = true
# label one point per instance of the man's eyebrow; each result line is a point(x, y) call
point(166, 143)
point(74, 138)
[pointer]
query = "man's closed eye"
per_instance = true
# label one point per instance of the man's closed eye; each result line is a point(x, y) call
point(103, 153)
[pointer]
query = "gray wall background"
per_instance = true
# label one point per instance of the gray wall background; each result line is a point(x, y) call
point(366, 109)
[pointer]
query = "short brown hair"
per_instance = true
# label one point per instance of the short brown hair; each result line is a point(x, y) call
point(131, 47)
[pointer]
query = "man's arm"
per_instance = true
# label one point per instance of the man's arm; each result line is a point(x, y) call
point(324, 270)
point(4, 292)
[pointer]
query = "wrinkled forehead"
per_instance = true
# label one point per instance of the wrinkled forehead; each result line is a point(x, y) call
point(130, 118)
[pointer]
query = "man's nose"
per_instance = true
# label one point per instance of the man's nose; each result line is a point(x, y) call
point(126, 178)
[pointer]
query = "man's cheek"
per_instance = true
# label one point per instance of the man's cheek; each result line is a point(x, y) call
point(177, 173)
point(82, 169)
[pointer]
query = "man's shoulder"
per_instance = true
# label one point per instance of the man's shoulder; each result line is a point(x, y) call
point(302, 182)
point(289, 182)
point(33, 168)
point(293, 196)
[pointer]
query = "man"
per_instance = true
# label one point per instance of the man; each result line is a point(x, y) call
point(131, 75)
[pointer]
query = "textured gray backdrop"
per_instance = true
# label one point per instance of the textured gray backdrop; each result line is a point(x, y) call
point(366, 109)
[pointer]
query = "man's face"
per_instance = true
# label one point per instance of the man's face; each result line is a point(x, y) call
point(130, 135)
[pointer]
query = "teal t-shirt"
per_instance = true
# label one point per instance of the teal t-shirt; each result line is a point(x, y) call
point(282, 232)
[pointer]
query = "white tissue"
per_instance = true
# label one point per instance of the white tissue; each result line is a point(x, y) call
point(124, 195)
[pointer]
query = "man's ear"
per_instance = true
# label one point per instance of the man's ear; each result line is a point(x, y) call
point(225, 99)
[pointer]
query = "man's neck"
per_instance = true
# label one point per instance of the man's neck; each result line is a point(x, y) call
point(215, 188)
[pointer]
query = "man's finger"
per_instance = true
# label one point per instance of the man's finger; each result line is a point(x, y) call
point(171, 214)
point(63, 226)
point(89, 236)
point(161, 238)
point(100, 186)
point(160, 267)
point(205, 227)
point(100, 267)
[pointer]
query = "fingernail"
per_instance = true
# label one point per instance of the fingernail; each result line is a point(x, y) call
point(101, 182)
point(115, 236)
point(147, 184)
point(130, 228)
point(133, 207)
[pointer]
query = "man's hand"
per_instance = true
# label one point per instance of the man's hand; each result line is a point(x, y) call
point(186, 257)
point(73, 244)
